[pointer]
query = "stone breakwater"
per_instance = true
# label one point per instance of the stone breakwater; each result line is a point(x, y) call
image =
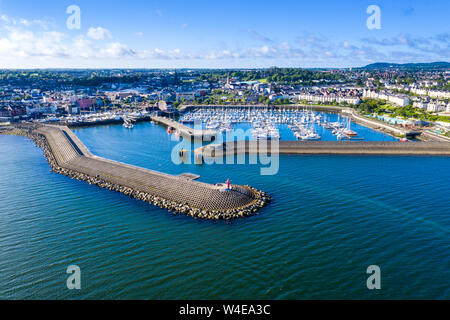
point(325, 147)
point(240, 201)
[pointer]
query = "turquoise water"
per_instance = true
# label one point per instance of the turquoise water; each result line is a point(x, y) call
point(331, 217)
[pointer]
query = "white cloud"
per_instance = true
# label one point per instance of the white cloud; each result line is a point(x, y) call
point(41, 23)
point(26, 43)
point(99, 33)
point(435, 47)
point(23, 40)
point(116, 50)
point(82, 47)
point(175, 54)
point(223, 54)
point(6, 46)
point(5, 19)
point(257, 36)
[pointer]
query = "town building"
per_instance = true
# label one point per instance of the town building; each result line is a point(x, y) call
point(436, 107)
point(399, 100)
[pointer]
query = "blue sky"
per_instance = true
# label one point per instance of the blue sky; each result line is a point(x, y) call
point(221, 34)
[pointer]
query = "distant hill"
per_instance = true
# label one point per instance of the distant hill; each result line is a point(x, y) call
point(409, 66)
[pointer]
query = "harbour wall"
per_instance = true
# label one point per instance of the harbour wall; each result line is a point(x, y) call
point(325, 147)
point(431, 136)
point(99, 122)
point(185, 131)
point(67, 155)
point(374, 124)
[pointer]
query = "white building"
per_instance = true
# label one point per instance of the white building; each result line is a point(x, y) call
point(428, 83)
point(420, 104)
point(400, 100)
point(188, 96)
point(439, 94)
point(435, 107)
point(396, 87)
point(41, 109)
point(329, 98)
point(431, 93)
point(420, 92)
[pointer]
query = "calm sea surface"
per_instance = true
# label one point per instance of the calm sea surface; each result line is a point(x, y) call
point(331, 217)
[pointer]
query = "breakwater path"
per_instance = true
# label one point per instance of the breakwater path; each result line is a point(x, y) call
point(69, 156)
point(325, 147)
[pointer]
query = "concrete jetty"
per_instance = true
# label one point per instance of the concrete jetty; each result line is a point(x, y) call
point(185, 131)
point(180, 194)
point(325, 147)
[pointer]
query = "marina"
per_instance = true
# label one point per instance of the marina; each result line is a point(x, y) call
point(303, 124)
point(297, 123)
point(101, 118)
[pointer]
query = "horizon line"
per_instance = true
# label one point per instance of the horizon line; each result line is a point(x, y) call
point(218, 68)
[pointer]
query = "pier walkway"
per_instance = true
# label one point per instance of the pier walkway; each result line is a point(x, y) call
point(326, 147)
point(205, 135)
point(70, 153)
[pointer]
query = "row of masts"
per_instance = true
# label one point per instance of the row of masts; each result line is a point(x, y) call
point(303, 122)
point(249, 116)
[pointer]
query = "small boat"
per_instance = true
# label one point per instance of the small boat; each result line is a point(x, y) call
point(349, 132)
point(212, 125)
point(313, 136)
point(340, 136)
point(127, 124)
point(412, 134)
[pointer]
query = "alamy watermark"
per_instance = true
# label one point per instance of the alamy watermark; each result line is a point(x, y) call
point(73, 22)
point(237, 146)
point(374, 281)
point(374, 20)
point(74, 280)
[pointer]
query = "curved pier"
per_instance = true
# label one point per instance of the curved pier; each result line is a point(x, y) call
point(69, 156)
